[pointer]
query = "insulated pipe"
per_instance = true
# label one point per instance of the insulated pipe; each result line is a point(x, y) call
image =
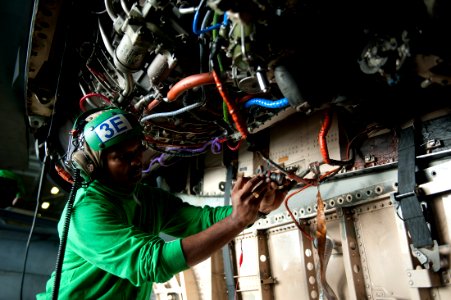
point(188, 83)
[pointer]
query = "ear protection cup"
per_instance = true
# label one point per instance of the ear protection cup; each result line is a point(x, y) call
point(87, 166)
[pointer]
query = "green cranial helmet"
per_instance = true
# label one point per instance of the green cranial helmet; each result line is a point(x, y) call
point(110, 127)
point(96, 131)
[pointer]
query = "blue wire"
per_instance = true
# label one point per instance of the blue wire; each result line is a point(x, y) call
point(212, 27)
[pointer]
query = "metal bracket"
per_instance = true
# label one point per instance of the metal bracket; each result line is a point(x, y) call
point(423, 278)
point(266, 279)
point(428, 257)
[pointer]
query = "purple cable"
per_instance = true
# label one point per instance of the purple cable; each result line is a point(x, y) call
point(215, 149)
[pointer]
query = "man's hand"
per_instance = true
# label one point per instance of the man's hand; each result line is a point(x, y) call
point(274, 196)
point(247, 193)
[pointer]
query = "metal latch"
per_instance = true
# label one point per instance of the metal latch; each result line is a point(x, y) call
point(430, 257)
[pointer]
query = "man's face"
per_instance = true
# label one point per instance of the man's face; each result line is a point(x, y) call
point(123, 164)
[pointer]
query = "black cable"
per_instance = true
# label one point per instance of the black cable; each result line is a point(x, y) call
point(27, 247)
point(64, 233)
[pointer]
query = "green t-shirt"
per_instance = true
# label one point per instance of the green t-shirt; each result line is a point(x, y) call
point(113, 248)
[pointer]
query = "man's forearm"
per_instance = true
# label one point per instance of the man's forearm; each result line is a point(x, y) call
point(202, 245)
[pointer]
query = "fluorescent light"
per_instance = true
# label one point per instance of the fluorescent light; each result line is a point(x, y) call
point(54, 190)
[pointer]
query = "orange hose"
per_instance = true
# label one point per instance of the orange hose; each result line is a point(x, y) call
point(322, 138)
point(240, 126)
point(189, 83)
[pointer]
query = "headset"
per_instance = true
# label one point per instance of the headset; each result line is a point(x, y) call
point(94, 131)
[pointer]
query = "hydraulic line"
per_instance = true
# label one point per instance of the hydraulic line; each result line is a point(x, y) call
point(322, 138)
point(188, 83)
point(240, 125)
point(171, 113)
point(154, 103)
point(323, 143)
point(267, 103)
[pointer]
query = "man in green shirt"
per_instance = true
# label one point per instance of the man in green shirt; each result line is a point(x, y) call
point(113, 248)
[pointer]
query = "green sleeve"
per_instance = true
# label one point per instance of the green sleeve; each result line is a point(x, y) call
point(181, 219)
point(102, 233)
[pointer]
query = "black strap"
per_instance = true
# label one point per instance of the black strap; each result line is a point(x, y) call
point(410, 206)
